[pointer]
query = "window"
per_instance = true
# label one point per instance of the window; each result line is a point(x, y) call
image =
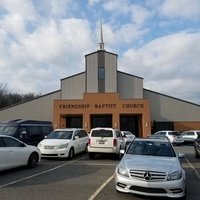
point(176, 133)
point(46, 130)
point(34, 130)
point(8, 130)
point(2, 143)
point(101, 73)
point(151, 148)
point(190, 133)
point(161, 133)
point(118, 133)
point(83, 133)
point(12, 143)
point(60, 135)
point(102, 133)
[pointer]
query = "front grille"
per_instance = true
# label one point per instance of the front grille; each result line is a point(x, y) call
point(148, 190)
point(148, 175)
point(49, 147)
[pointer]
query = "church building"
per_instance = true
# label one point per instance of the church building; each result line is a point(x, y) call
point(102, 96)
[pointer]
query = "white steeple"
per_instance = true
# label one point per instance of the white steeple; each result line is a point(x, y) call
point(101, 43)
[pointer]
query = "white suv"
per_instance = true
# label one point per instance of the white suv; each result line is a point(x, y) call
point(105, 140)
point(190, 136)
point(175, 137)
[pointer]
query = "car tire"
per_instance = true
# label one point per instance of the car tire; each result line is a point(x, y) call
point(119, 155)
point(86, 148)
point(71, 153)
point(33, 160)
point(196, 154)
point(91, 155)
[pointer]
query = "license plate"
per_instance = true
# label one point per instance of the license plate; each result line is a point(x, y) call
point(101, 142)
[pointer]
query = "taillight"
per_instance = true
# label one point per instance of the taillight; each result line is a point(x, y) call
point(89, 141)
point(114, 142)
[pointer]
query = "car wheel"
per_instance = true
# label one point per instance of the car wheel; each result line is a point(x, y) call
point(71, 154)
point(196, 154)
point(86, 148)
point(33, 160)
point(119, 155)
point(91, 155)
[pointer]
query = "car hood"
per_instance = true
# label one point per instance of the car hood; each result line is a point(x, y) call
point(54, 142)
point(150, 163)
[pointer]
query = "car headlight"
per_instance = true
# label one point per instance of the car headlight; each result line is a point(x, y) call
point(39, 145)
point(175, 176)
point(122, 171)
point(62, 146)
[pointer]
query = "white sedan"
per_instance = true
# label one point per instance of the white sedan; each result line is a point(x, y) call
point(14, 153)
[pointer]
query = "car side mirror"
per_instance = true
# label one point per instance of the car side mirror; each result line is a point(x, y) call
point(181, 155)
point(76, 137)
point(122, 151)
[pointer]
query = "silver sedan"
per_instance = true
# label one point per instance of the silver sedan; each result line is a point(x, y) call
point(151, 167)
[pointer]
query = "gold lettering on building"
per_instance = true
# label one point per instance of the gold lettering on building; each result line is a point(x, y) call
point(100, 106)
point(74, 106)
point(106, 106)
point(132, 105)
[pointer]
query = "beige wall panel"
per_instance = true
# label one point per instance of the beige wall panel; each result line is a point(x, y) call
point(110, 73)
point(184, 126)
point(166, 108)
point(129, 87)
point(73, 87)
point(91, 73)
point(37, 109)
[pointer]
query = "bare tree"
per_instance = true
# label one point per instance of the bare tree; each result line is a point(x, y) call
point(7, 98)
point(3, 93)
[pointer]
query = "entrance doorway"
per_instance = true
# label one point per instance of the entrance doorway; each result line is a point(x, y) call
point(101, 121)
point(74, 121)
point(130, 123)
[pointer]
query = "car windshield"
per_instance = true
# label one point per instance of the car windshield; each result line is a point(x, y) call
point(160, 133)
point(60, 135)
point(151, 148)
point(7, 130)
point(128, 134)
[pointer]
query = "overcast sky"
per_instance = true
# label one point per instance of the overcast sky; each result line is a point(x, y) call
point(43, 41)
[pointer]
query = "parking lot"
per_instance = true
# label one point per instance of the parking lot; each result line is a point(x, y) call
point(82, 178)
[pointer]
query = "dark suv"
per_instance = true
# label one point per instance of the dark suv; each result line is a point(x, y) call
point(197, 147)
point(28, 131)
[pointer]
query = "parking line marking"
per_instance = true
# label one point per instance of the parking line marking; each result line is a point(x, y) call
point(95, 164)
point(190, 164)
point(38, 174)
point(101, 188)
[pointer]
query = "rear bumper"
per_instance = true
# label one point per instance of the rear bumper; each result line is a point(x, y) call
point(102, 150)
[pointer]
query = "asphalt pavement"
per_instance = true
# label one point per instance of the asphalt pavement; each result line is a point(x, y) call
point(82, 179)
